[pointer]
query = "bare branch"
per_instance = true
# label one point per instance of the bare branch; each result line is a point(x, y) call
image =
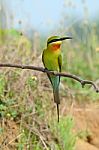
point(83, 82)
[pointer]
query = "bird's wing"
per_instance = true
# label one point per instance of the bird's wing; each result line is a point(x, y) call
point(46, 68)
point(60, 62)
point(43, 58)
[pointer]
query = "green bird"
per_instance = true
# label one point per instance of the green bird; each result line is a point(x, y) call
point(52, 60)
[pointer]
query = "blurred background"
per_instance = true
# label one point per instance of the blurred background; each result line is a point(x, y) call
point(26, 99)
point(26, 25)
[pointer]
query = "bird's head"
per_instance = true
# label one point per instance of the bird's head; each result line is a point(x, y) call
point(55, 42)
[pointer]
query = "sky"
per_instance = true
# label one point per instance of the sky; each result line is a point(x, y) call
point(44, 15)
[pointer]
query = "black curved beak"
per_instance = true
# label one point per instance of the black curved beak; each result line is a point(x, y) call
point(64, 38)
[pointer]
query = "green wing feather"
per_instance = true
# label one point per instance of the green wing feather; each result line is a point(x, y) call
point(60, 62)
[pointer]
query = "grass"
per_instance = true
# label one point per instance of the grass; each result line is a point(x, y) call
point(24, 95)
point(64, 133)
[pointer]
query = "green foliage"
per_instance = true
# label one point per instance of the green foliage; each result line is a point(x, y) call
point(64, 132)
point(2, 84)
point(14, 33)
point(38, 107)
point(5, 34)
point(67, 136)
point(26, 143)
point(32, 82)
point(1, 131)
point(6, 109)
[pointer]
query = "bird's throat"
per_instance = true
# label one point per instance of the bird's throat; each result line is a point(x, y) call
point(55, 47)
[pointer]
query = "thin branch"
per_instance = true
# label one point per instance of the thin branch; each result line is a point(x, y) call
point(82, 82)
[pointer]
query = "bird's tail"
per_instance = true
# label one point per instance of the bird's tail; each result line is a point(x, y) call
point(58, 111)
point(57, 100)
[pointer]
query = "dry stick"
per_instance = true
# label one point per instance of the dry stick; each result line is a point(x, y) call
point(83, 82)
point(14, 139)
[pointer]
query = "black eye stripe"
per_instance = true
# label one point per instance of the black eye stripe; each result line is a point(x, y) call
point(54, 40)
point(60, 39)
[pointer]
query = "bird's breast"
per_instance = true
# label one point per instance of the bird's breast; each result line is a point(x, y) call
point(51, 60)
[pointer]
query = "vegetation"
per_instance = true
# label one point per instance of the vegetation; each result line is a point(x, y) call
point(28, 118)
point(24, 94)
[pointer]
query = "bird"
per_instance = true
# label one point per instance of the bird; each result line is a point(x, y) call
point(52, 61)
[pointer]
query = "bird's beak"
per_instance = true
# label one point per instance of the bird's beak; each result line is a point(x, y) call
point(65, 38)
